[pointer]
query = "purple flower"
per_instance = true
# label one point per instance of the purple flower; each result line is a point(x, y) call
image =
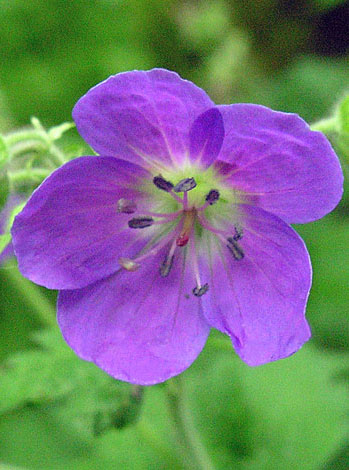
point(181, 225)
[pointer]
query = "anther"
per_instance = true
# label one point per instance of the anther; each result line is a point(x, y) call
point(238, 233)
point(212, 197)
point(166, 266)
point(235, 249)
point(199, 291)
point(126, 206)
point(128, 264)
point(163, 184)
point(140, 222)
point(185, 185)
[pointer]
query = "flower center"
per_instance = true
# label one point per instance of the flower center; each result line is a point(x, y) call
point(183, 205)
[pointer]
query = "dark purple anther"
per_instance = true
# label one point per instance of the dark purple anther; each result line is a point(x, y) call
point(185, 185)
point(163, 184)
point(199, 291)
point(140, 222)
point(166, 266)
point(235, 249)
point(212, 197)
point(238, 233)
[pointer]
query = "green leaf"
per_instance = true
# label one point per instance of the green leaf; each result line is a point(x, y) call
point(53, 395)
point(287, 414)
point(76, 391)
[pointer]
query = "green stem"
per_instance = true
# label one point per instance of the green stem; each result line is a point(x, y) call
point(31, 295)
point(188, 436)
point(35, 140)
point(327, 126)
point(30, 174)
point(25, 136)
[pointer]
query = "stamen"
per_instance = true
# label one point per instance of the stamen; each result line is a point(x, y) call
point(140, 222)
point(126, 206)
point(235, 249)
point(166, 266)
point(199, 291)
point(163, 184)
point(212, 197)
point(128, 264)
point(184, 185)
point(238, 233)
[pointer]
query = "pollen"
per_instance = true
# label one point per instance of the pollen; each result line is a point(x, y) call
point(128, 264)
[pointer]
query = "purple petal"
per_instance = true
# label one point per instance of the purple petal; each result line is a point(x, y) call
point(137, 326)
point(70, 234)
point(260, 300)
point(279, 163)
point(206, 137)
point(141, 116)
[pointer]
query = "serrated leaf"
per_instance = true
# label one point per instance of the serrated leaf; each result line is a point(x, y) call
point(77, 392)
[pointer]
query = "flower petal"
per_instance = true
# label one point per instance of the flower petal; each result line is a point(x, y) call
point(137, 326)
point(260, 300)
point(206, 137)
point(70, 234)
point(141, 116)
point(279, 163)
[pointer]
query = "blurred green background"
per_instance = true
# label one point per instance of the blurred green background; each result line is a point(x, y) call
point(57, 412)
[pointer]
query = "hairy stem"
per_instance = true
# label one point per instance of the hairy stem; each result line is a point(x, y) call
point(193, 449)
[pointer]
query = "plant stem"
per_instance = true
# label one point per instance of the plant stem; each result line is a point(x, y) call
point(32, 174)
point(189, 438)
point(31, 295)
point(327, 126)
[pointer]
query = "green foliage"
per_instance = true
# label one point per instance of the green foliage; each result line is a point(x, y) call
point(324, 5)
point(61, 413)
point(266, 417)
point(54, 376)
point(327, 242)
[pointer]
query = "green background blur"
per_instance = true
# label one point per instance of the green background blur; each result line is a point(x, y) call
point(57, 412)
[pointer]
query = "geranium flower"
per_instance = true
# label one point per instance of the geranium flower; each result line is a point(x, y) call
point(182, 224)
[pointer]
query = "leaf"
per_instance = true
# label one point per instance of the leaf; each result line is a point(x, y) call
point(77, 392)
point(287, 414)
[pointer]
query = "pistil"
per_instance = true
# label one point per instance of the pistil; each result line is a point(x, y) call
point(188, 223)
